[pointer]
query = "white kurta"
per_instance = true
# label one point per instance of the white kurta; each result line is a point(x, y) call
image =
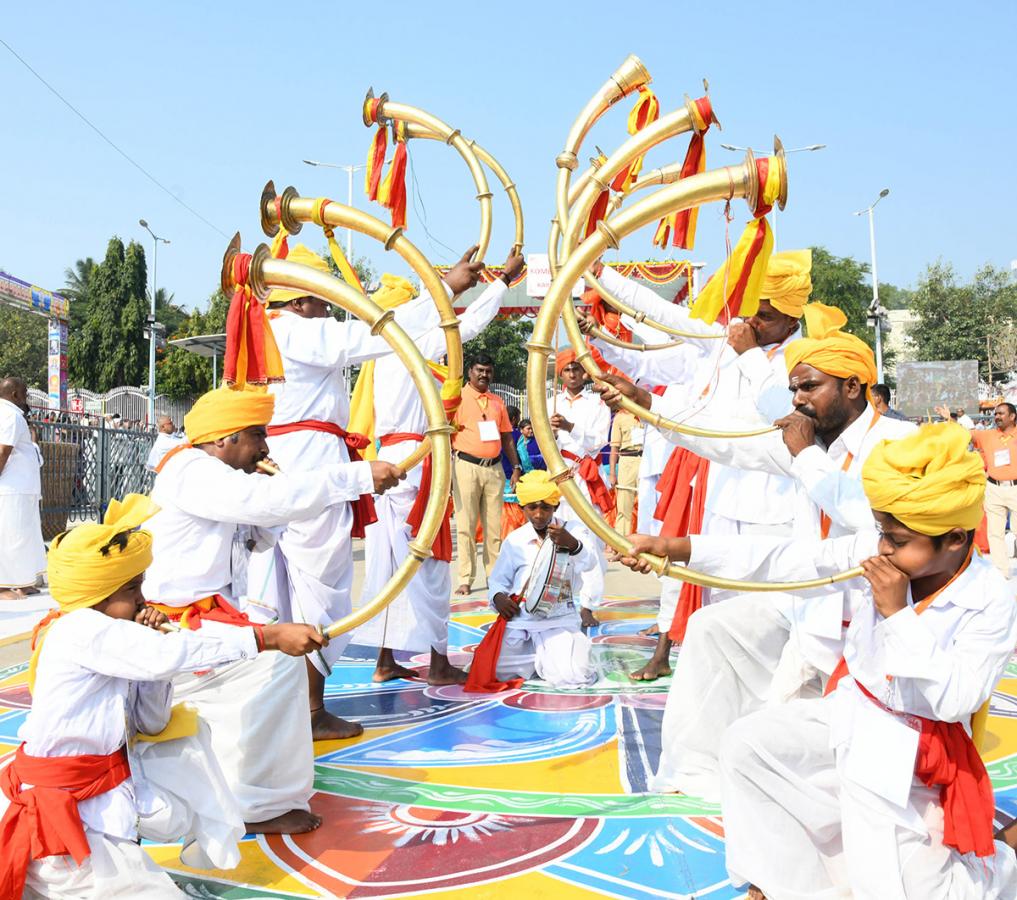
point(417, 620)
point(163, 444)
point(591, 426)
point(257, 710)
point(819, 797)
point(24, 554)
point(555, 648)
point(99, 682)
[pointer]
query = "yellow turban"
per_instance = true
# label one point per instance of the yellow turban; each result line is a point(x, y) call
point(829, 349)
point(225, 411)
point(80, 574)
point(536, 486)
point(929, 481)
point(788, 282)
point(298, 254)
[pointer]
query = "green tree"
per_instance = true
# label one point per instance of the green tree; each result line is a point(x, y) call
point(961, 321)
point(75, 289)
point(893, 297)
point(170, 314)
point(504, 340)
point(23, 351)
point(842, 281)
point(180, 373)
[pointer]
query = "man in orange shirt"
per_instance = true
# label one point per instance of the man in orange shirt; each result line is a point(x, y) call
point(484, 434)
point(999, 451)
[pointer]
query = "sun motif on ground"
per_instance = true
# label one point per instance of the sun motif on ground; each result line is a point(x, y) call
point(414, 824)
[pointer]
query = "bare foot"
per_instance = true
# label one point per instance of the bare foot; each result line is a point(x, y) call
point(326, 727)
point(296, 821)
point(755, 893)
point(463, 590)
point(587, 619)
point(392, 672)
point(443, 672)
point(13, 594)
point(659, 664)
point(650, 630)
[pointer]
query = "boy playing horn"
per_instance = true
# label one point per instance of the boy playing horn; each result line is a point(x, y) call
point(877, 790)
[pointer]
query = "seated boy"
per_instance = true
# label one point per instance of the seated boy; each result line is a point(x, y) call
point(876, 790)
point(520, 644)
point(78, 794)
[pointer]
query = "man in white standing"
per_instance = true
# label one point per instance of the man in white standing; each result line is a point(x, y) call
point(23, 557)
point(166, 439)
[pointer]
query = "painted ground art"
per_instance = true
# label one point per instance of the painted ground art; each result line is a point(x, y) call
point(530, 794)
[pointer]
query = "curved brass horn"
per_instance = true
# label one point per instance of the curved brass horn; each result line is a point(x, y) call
point(387, 110)
point(292, 211)
point(419, 131)
point(267, 273)
point(720, 184)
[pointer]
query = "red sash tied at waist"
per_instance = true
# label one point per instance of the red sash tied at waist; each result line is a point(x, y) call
point(43, 820)
point(947, 757)
point(363, 507)
point(482, 677)
point(441, 549)
point(214, 608)
point(589, 471)
point(682, 505)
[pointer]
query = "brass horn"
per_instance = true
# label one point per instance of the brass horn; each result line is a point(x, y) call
point(291, 211)
point(719, 184)
point(267, 273)
point(385, 111)
point(419, 131)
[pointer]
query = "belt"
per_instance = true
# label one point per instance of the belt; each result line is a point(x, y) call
point(635, 451)
point(481, 461)
point(996, 481)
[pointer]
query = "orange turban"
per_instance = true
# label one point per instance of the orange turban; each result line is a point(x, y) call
point(788, 282)
point(563, 359)
point(223, 411)
point(928, 481)
point(829, 349)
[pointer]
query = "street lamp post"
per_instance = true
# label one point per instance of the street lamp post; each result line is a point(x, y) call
point(349, 198)
point(810, 148)
point(151, 321)
point(876, 312)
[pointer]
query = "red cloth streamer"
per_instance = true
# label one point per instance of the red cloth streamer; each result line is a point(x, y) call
point(396, 200)
point(191, 616)
point(732, 309)
point(246, 326)
point(442, 547)
point(681, 226)
point(363, 507)
point(607, 318)
point(43, 820)
point(284, 245)
point(681, 509)
point(589, 471)
point(376, 155)
point(597, 212)
point(948, 757)
point(645, 112)
point(482, 677)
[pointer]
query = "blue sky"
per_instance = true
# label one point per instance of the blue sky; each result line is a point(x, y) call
point(215, 98)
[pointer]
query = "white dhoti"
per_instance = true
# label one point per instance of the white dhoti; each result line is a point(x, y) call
point(799, 831)
point(23, 558)
point(724, 671)
point(556, 651)
point(417, 620)
point(648, 497)
point(257, 713)
point(307, 577)
point(116, 868)
point(591, 581)
point(182, 795)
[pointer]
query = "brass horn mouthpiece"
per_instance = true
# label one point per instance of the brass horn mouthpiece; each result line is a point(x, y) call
point(267, 467)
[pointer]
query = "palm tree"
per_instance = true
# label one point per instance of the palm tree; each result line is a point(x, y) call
point(75, 289)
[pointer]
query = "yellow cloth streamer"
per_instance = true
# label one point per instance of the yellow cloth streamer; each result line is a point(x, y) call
point(393, 293)
point(183, 723)
point(928, 481)
point(224, 411)
point(80, 575)
point(305, 257)
point(830, 349)
point(536, 486)
point(788, 281)
point(738, 282)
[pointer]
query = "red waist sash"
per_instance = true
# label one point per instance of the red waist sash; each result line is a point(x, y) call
point(214, 608)
point(482, 677)
point(682, 504)
point(589, 471)
point(43, 820)
point(442, 547)
point(947, 757)
point(363, 507)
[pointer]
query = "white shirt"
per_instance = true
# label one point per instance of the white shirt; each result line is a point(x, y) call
point(163, 444)
point(591, 423)
point(941, 665)
point(515, 560)
point(102, 680)
point(21, 473)
point(202, 503)
point(966, 421)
